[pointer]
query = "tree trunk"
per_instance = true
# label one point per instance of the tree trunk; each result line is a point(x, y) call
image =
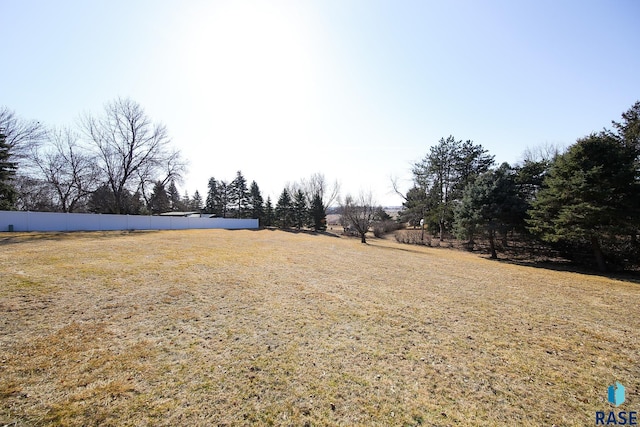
point(598, 255)
point(363, 238)
point(441, 230)
point(492, 245)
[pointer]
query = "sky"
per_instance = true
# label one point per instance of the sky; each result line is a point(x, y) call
point(355, 90)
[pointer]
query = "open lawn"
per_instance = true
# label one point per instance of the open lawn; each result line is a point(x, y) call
point(215, 327)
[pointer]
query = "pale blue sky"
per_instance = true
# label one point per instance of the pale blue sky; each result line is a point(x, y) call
point(357, 90)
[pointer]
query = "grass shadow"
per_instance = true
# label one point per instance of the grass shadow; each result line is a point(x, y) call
point(42, 236)
point(567, 266)
point(296, 231)
point(374, 243)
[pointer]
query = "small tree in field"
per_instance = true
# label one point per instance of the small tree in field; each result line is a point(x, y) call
point(359, 213)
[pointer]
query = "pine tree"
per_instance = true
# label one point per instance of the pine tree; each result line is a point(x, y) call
point(256, 202)
point(444, 173)
point(185, 203)
point(318, 214)
point(210, 205)
point(239, 196)
point(591, 195)
point(268, 213)
point(284, 210)
point(492, 205)
point(629, 128)
point(414, 206)
point(196, 202)
point(218, 198)
point(300, 210)
point(102, 200)
point(8, 169)
point(159, 201)
point(225, 201)
point(175, 201)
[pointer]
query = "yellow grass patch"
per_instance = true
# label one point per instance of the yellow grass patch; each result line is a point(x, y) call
point(215, 327)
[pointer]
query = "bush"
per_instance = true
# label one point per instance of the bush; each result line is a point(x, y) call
point(383, 227)
point(413, 237)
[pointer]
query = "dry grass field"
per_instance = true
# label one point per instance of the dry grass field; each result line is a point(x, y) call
point(215, 327)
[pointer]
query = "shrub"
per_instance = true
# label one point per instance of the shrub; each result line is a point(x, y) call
point(381, 228)
point(413, 237)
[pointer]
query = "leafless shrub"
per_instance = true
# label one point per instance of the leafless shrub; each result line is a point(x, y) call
point(383, 227)
point(413, 237)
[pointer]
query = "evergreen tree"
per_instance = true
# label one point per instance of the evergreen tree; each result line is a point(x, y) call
point(591, 195)
point(629, 128)
point(225, 201)
point(471, 161)
point(211, 204)
point(8, 169)
point(239, 196)
point(102, 200)
point(269, 215)
point(414, 206)
point(284, 210)
point(444, 173)
point(492, 205)
point(318, 214)
point(218, 198)
point(381, 215)
point(135, 204)
point(185, 203)
point(256, 202)
point(530, 176)
point(300, 210)
point(175, 202)
point(196, 202)
point(159, 201)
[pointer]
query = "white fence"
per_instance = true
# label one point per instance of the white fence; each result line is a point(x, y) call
point(50, 221)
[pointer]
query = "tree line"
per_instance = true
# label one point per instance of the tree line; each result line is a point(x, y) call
point(113, 162)
point(121, 162)
point(583, 200)
point(302, 204)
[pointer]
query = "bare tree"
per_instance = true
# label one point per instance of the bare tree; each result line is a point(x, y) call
point(69, 169)
point(359, 213)
point(316, 184)
point(131, 150)
point(21, 135)
point(546, 153)
point(172, 167)
point(34, 194)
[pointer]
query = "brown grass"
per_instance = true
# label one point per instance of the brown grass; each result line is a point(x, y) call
point(213, 327)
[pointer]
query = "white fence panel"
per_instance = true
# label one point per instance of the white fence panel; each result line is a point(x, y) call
point(53, 221)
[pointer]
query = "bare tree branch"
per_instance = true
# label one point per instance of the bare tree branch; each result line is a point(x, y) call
point(132, 151)
point(70, 171)
point(22, 136)
point(359, 213)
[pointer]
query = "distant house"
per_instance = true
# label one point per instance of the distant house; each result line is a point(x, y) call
point(182, 214)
